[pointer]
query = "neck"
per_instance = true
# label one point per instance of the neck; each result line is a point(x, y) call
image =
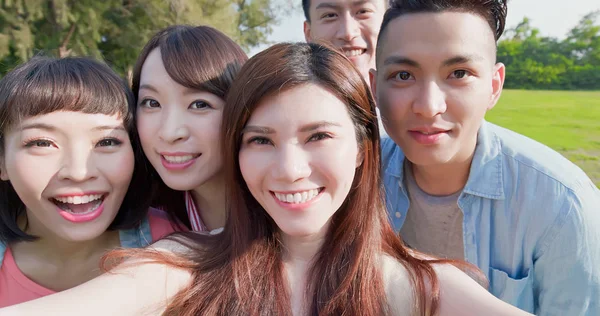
point(302, 249)
point(444, 179)
point(210, 202)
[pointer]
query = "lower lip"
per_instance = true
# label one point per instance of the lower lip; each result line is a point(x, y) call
point(430, 139)
point(176, 165)
point(297, 206)
point(77, 218)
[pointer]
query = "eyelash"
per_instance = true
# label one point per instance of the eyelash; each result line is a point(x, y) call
point(205, 104)
point(114, 142)
point(35, 142)
point(259, 140)
point(144, 101)
point(395, 75)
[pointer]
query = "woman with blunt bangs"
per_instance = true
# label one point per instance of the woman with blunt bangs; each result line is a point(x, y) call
point(307, 232)
point(70, 189)
point(180, 82)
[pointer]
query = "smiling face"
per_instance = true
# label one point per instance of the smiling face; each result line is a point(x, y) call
point(435, 81)
point(71, 170)
point(178, 127)
point(350, 25)
point(299, 156)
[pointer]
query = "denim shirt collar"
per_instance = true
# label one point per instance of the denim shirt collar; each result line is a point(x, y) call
point(485, 175)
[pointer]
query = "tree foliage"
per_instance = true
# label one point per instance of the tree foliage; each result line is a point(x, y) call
point(116, 30)
point(537, 62)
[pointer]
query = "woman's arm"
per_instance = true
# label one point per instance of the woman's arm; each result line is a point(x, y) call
point(461, 295)
point(140, 288)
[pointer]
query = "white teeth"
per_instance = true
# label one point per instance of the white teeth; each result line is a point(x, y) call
point(179, 159)
point(298, 197)
point(79, 199)
point(353, 52)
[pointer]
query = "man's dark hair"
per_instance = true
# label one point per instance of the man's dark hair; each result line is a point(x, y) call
point(306, 8)
point(493, 11)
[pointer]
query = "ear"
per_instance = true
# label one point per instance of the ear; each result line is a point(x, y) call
point(307, 36)
point(373, 82)
point(497, 84)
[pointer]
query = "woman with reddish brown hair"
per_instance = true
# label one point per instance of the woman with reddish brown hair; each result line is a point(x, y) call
point(307, 232)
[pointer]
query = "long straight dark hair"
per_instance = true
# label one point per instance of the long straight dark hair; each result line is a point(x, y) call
point(240, 271)
point(196, 57)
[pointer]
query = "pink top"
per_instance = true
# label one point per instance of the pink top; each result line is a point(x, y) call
point(16, 288)
point(193, 214)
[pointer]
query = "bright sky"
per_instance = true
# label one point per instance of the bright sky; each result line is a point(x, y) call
point(553, 17)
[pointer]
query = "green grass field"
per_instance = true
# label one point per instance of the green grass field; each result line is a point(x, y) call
point(566, 121)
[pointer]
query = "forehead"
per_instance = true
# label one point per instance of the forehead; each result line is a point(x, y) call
point(72, 121)
point(438, 35)
point(328, 4)
point(300, 105)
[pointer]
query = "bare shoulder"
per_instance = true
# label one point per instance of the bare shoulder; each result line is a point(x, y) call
point(398, 288)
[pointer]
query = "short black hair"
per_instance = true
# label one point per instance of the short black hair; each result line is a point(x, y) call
point(306, 9)
point(493, 11)
point(45, 85)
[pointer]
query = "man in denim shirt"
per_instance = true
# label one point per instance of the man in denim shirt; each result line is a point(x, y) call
point(468, 189)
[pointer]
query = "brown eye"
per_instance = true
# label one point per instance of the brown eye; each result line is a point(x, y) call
point(403, 76)
point(460, 74)
point(149, 103)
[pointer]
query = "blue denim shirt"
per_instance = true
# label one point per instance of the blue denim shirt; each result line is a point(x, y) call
point(531, 222)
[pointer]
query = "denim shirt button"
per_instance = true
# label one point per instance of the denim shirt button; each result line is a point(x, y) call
point(398, 215)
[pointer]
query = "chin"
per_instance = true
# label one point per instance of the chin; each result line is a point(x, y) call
point(299, 231)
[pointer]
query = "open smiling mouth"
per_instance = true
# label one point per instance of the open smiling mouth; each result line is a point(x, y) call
point(354, 52)
point(298, 197)
point(79, 205)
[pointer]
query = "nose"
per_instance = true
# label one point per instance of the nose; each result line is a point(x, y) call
point(348, 29)
point(430, 101)
point(78, 165)
point(292, 164)
point(173, 127)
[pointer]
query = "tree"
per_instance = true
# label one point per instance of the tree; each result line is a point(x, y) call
point(116, 30)
point(537, 62)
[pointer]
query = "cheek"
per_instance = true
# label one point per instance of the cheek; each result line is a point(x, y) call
point(118, 168)
point(25, 175)
point(324, 31)
point(393, 103)
point(253, 168)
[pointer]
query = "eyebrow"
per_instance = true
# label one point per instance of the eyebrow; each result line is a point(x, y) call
point(335, 5)
point(306, 128)
point(51, 128)
point(400, 60)
point(257, 129)
point(318, 125)
point(459, 59)
point(109, 127)
point(148, 87)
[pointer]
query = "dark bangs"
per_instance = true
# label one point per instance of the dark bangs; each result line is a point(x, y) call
point(196, 57)
point(45, 85)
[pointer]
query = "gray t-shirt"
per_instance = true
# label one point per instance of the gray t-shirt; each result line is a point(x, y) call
point(433, 224)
